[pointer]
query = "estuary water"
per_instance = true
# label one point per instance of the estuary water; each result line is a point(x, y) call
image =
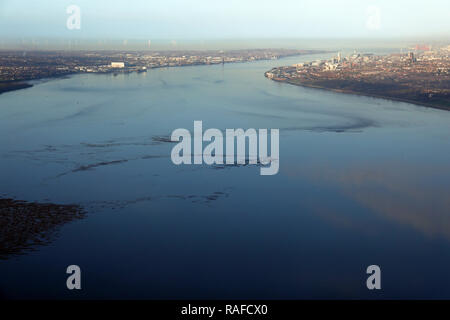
point(362, 182)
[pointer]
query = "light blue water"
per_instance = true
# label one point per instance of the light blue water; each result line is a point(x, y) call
point(362, 181)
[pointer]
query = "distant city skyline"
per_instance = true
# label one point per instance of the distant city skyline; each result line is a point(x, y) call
point(232, 19)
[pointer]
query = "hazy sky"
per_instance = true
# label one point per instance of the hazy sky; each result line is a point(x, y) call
point(212, 19)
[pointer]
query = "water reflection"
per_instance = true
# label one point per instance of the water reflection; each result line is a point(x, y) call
point(415, 196)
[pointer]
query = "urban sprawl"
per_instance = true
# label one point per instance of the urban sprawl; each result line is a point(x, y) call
point(421, 75)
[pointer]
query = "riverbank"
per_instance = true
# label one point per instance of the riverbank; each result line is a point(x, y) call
point(421, 79)
point(53, 64)
point(8, 86)
point(444, 106)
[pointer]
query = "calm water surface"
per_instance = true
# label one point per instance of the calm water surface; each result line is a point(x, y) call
point(362, 181)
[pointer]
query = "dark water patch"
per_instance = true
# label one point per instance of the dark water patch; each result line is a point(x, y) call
point(239, 165)
point(208, 80)
point(356, 126)
point(163, 139)
point(78, 148)
point(202, 198)
point(85, 112)
point(122, 204)
point(153, 157)
point(108, 163)
point(100, 164)
point(44, 149)
point(92, 166)
point(117, 144)
point(261, 115)
point(66, 153)
point(26, 225)
point(86, 88)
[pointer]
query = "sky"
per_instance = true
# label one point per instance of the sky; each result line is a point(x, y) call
point(212, 19)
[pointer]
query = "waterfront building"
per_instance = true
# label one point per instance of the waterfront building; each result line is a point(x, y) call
point(119, 65)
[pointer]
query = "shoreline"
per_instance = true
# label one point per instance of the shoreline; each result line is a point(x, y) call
point(350, 92)
point(8, 85)
point(15, 85)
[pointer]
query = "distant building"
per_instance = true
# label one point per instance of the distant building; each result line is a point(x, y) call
point(118, 65)
point(422, 47)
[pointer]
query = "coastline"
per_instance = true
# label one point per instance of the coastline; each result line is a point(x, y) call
point(29, 83)
point(14, 85)
point(9, 86)
point(414, 102)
